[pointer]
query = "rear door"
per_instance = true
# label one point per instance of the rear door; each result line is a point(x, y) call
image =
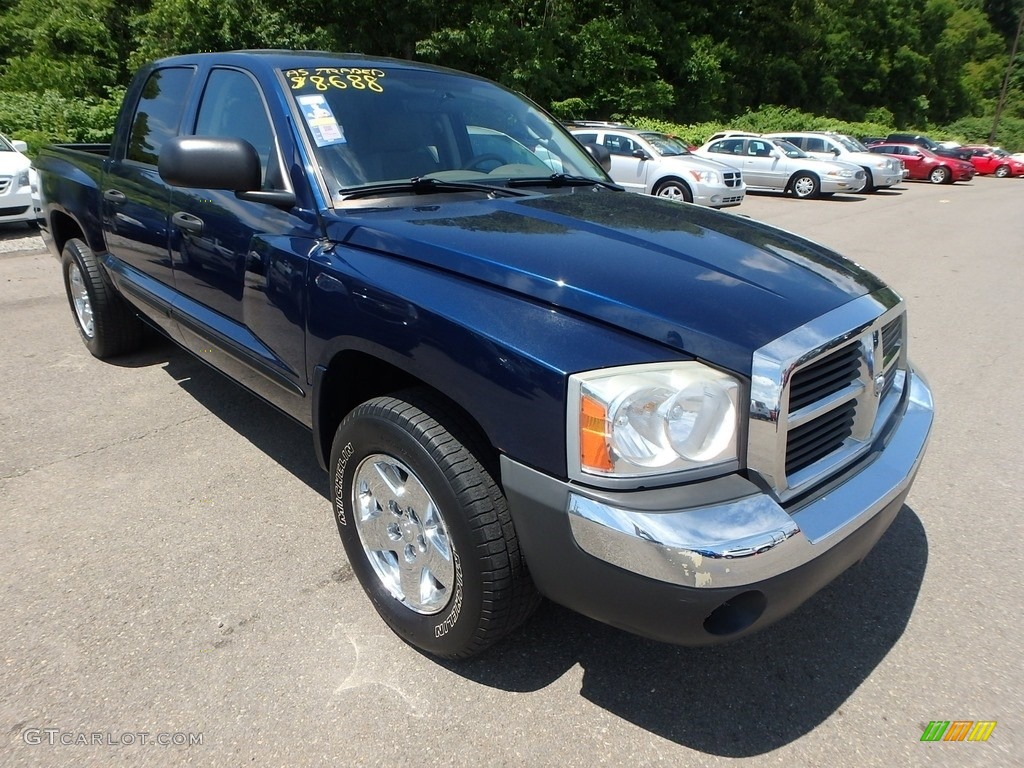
point(240, 266)
point(627, 170)
point(136, 199)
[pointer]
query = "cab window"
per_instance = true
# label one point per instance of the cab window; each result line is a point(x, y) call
point(158, 113)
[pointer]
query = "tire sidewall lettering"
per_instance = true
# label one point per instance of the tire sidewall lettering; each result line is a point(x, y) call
point(442, 629)
point(339, 483)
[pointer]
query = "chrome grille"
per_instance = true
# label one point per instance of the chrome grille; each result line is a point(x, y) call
point(822, 393)
point(732, 178)
point(825, 377)
point(5, 182)
point(818, 438)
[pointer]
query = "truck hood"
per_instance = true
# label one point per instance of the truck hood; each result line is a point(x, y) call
point(711, 285)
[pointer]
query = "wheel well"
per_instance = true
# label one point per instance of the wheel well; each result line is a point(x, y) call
point(676, 179)
point(353, 377)
point(803, 172)
point(62, 229)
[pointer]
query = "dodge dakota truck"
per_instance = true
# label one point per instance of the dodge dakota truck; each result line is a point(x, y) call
point(521, 380)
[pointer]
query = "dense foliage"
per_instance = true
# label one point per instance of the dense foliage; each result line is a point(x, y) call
point(868, 65)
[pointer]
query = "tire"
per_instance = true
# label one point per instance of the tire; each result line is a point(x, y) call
point(673, 189)
point(869, 183)
point(1002, 171)
point(805, 186)
point(443, 569)
point(940, 175)
point(107, 324)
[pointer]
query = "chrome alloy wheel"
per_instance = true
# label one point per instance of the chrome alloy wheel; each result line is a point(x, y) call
point(403, 534)
point(80, 298)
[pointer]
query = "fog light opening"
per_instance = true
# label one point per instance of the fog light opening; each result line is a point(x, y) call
point(736, 614)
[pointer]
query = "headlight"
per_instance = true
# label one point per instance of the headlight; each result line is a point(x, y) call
point(648, 420)
point(708, 177)
point(846, 173)
point(22, 179)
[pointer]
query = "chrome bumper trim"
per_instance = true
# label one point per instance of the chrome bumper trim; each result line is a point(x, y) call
point(752, 539)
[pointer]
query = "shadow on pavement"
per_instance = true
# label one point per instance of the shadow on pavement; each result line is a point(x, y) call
point(276, 435)
point(736, 700)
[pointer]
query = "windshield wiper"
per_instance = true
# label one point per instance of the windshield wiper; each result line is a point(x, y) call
point(563, 180)
point(426, 186)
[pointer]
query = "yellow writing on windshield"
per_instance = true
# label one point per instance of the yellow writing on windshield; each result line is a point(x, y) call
point(338, 78)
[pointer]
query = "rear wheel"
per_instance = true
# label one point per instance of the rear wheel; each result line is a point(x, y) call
point(805, 185)
point(426, 527)
point(106, 323)
point(1003, 171)
point(673, 189)
point(940, 175)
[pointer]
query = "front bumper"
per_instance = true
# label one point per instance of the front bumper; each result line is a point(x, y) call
point(831, 185)
point(714, 560)
point(718, 195)
point(16, 205)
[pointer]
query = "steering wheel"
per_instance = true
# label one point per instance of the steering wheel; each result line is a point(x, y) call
point(479, 160)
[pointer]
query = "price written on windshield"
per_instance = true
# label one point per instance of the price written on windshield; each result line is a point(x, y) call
point(336, 78)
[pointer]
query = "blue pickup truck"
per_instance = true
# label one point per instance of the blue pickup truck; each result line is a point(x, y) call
point(520, 380)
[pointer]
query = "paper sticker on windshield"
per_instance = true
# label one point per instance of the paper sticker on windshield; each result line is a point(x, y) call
point(320, 119)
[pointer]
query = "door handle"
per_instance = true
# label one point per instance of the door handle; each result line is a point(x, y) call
point(114, 196)
point(188, 222)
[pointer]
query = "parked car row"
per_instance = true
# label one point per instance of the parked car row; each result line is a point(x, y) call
point(806, 164)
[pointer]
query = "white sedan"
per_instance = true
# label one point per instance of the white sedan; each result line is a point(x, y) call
point(777, 165)
point(16, 177)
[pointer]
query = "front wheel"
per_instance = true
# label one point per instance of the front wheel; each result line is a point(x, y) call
point(670, 189)
point(1002, 171)
point(425, 526)
point(940, 175)
point(805, 185)
point(106, 323)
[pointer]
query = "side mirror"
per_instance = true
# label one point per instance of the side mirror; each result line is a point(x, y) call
point(601, 154)
point(641, 154)
point(210, 162)
point(20, 146)
point(775, 153)
point(836, 151)
point(218, 162)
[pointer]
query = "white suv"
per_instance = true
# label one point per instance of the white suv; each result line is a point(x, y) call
point(661, 165)
point(835, 146)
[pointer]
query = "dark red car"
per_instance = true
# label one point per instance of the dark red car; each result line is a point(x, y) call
point(994, 160)
point(926, 165)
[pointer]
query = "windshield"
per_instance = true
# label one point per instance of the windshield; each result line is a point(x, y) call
point(851, 143)
point(791, 150)
point(390, 124)
point(4, 146)
point(666, 146)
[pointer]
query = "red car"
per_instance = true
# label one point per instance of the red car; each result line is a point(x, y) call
point(925, 164)
point(987, 160)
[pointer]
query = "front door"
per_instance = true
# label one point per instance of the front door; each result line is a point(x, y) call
point(240, 266)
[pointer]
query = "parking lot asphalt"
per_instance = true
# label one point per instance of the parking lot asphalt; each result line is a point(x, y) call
point(171, 571)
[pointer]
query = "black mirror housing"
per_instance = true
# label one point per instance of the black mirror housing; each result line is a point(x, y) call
point(210, 162)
